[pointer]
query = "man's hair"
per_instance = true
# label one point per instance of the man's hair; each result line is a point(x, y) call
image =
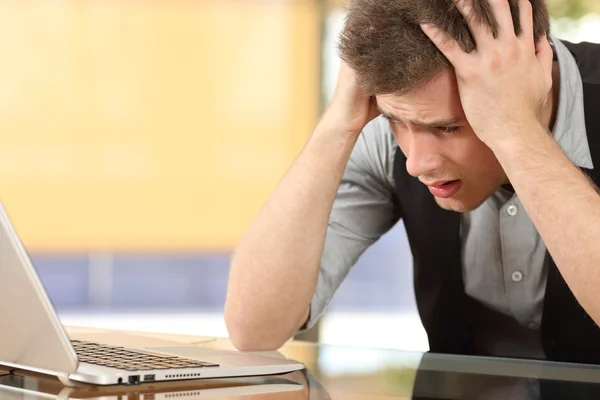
point(383, 42)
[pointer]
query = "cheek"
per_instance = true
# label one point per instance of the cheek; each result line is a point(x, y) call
point(480, 164)
point(484, 157)
point(468, 150)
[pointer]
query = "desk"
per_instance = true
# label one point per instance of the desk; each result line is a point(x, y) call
point(348, 373)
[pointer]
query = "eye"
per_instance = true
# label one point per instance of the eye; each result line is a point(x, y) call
point(393, 121)
point(449, 129)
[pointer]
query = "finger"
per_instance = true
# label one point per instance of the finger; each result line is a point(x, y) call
point(526, 20)
point(444, 42)
point(544, 54)
point(373, 111)
point(480, 31)
point(503, 16)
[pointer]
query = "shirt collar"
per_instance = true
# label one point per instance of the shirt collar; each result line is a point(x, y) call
point(569, 128)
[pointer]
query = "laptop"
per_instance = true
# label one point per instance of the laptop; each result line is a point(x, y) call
point(33, 338)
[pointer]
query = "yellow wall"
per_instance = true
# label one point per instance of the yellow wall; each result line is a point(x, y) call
point(155, 125)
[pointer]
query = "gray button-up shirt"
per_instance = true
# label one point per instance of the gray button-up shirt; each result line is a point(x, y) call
point(503, 254)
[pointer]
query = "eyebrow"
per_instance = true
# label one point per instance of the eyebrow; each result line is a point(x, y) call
point(441, 123)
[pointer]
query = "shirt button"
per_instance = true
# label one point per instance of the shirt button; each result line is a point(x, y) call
point(512, 210)
point(517, 276)
point(534, 325)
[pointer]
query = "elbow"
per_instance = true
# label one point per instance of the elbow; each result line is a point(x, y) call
point(247, 337)
point(248, 342)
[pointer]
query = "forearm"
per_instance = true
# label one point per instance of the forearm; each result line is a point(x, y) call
point(274, 269)
point(563, 205)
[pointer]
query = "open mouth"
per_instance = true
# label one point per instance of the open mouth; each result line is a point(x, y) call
point(448, 183)
point(447, 189)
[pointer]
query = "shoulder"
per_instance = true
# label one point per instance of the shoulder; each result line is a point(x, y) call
point(587, 57)
point(375, 150)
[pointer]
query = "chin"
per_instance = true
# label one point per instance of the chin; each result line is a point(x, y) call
point(459, 204)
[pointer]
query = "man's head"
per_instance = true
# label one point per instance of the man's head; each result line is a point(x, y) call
point(415, 87)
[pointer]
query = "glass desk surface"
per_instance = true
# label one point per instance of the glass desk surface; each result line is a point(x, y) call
point(333, 372)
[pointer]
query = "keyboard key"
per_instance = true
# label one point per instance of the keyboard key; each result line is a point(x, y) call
point(131, 360)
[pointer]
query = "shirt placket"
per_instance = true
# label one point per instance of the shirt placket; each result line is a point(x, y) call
point(518, 245)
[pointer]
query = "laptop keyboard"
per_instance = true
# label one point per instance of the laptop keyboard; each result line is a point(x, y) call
point(131, 360)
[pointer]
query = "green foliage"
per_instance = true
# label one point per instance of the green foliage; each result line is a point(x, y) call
point(573, 8)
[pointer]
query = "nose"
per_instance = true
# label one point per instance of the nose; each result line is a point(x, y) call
point(422, 156)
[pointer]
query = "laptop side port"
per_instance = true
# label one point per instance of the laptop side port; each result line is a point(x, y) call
point(149, 378)
point(134, 379)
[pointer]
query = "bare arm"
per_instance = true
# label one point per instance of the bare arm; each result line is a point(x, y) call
point(564, 207)
point(275, 267)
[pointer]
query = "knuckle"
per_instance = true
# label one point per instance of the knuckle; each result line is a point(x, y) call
point(465, 7)
point(446, 46)
point(511, 50)
point(495, 61)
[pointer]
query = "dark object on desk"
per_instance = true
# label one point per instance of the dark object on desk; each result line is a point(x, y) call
point(464, 377)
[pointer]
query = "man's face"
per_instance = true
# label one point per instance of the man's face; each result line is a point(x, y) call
point(441, 148)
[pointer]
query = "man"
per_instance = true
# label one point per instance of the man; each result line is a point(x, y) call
point(485, 148)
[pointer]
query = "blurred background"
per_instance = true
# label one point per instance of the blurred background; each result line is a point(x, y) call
point(138, 139)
